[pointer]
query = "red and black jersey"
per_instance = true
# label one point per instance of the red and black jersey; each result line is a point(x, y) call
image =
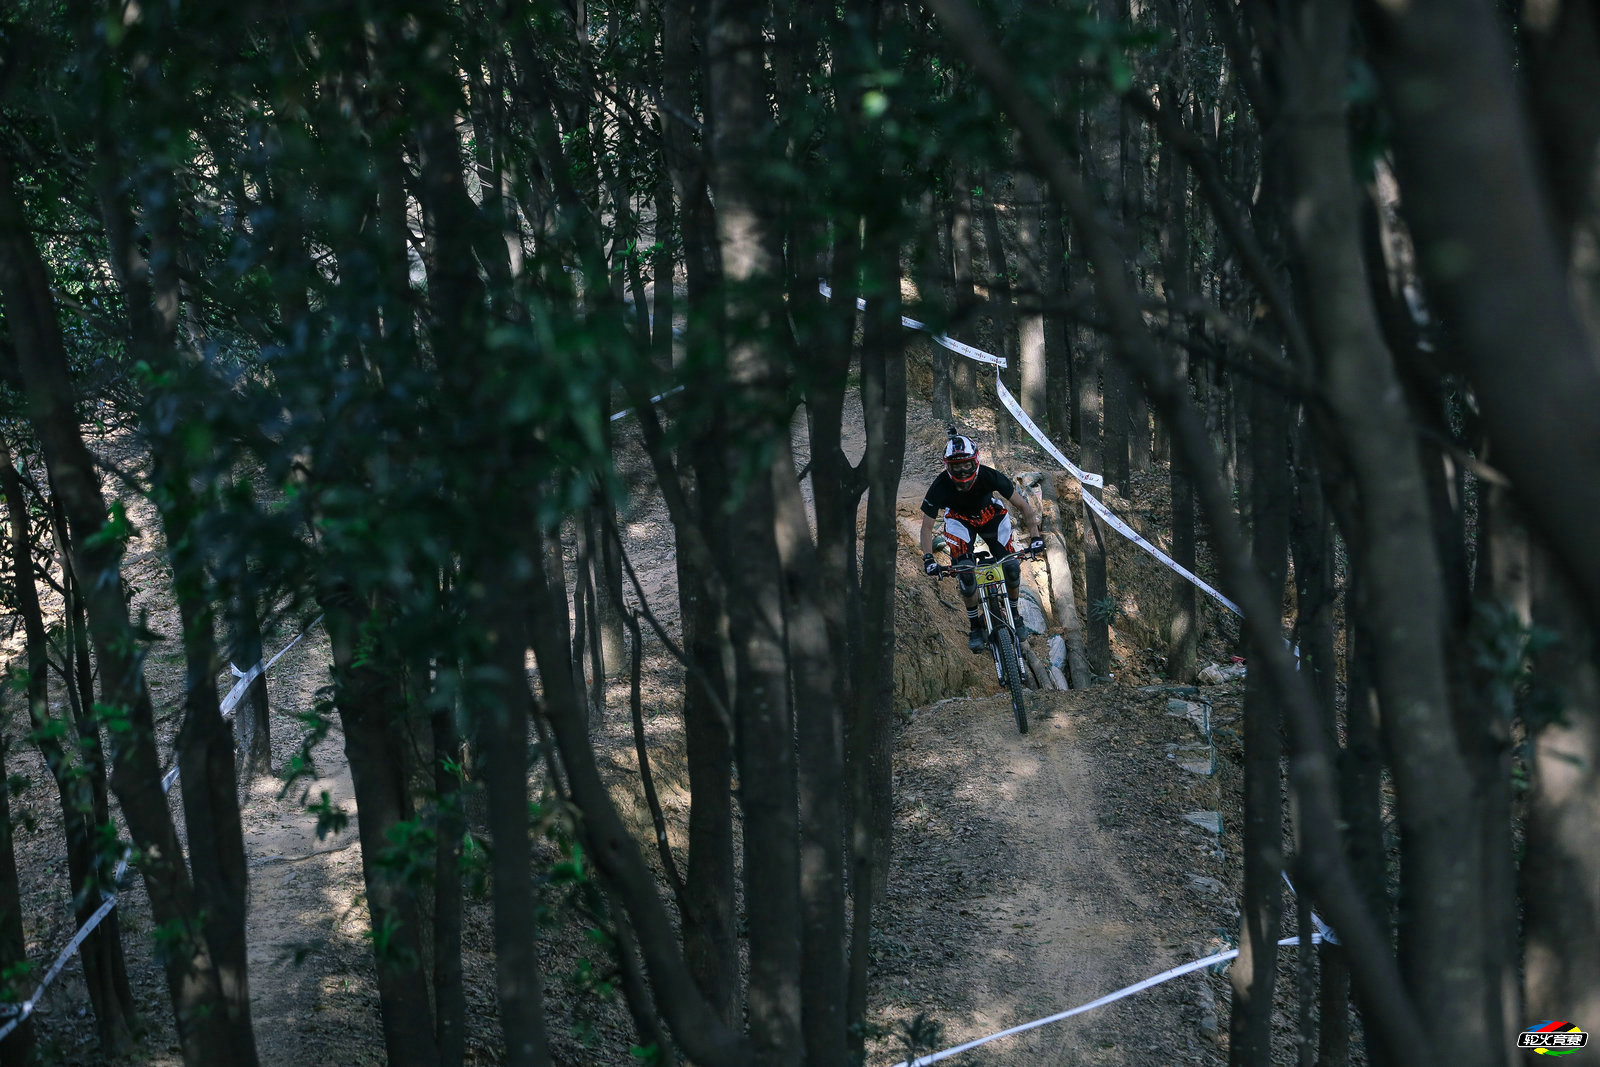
point(975, 502)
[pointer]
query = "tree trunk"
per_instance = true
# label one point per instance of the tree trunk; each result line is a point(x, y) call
point(1002, 304)
point(366, 695)
point(17, 1049)
point(1061, 584)
point(502, 718)
point(254, 725)
point(1252, 975)
point(870, 759)
point(449, 993)
point(966, 292)
point(1058, 398)
point(764, 738)
point(206, 760)
point(1361, 790)
point(1032, 349)
point(1094, 546)
point(820, 755)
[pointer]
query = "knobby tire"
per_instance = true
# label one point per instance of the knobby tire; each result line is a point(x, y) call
point(1008, 661)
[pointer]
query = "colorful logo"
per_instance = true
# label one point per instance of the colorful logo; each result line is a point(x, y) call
point(1553, 1037)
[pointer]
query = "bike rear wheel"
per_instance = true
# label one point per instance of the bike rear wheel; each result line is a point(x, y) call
point(1013, 670)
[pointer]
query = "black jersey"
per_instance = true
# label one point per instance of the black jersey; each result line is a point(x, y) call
point(944, 493)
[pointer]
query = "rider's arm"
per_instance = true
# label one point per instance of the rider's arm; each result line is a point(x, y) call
point(1020, 502)
point(927, 534)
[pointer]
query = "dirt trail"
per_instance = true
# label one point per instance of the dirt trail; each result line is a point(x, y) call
point(1014, 897)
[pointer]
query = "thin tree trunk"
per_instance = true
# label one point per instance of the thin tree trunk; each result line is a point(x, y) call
point(366, 695)
point(17, 1050)
point(1253, 974)
point(1094, 546)
point(695, 1026)
point(1002, 304)
point(965, 287)
point(1360, 788)
point(206, 765)
point(503, 719)
point(1061, 584)
point(820, 751)
point(449, 992)
point(1031, 268)
point(1058, 398)
point(764, 738)
point(252, 716)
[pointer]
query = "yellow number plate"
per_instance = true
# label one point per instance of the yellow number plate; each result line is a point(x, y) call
point(990, 573)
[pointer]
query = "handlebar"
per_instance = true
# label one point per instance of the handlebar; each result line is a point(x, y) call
point(948, 569)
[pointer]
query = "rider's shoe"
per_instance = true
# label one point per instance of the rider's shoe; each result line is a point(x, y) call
point(976, 639)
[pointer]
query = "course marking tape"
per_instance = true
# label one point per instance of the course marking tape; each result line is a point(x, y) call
point(959, 347)
point(25, 1009)
point(1126, 991)
point(1086, 477)
point(625, 412)
point(1131, 534)
point(109, 900)
point(1323, 929)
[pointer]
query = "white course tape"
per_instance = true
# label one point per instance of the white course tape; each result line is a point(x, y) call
point(109, 900)
point(236, 694)
point(958, 347)
point(1323, 929)
point(1131, 534)
point(25, 1009)
point(1086, 477)
point(625, 412)
point(1126, 991)
point(1097, 506)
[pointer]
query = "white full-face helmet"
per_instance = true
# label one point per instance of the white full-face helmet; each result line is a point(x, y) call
point(961, 459)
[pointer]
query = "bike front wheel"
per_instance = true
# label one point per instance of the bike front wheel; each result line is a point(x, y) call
point(1013, 672)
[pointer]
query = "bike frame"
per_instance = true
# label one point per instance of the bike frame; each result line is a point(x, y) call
point(995, 601)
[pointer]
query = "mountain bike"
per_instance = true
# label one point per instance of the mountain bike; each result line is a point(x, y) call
point(1004, 644)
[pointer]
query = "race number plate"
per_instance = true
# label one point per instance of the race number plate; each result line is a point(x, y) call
point(990, 572)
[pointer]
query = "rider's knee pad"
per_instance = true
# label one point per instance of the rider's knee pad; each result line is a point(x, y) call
point(966, 579)
point(1013, 571)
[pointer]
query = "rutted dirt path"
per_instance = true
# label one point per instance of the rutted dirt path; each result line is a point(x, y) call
point(1021, 887)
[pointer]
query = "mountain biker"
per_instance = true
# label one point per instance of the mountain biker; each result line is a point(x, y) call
point(966, 492)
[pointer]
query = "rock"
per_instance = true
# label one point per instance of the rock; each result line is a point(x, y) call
point(1216, 673)
point(1032, 614)
point(1202, 767)
point(1058, 651)
point(1058, 678)
point(1185, 692)
point(1195, 713)
point(1206, 820)
point(1208, 1011)
point(1202, 884)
